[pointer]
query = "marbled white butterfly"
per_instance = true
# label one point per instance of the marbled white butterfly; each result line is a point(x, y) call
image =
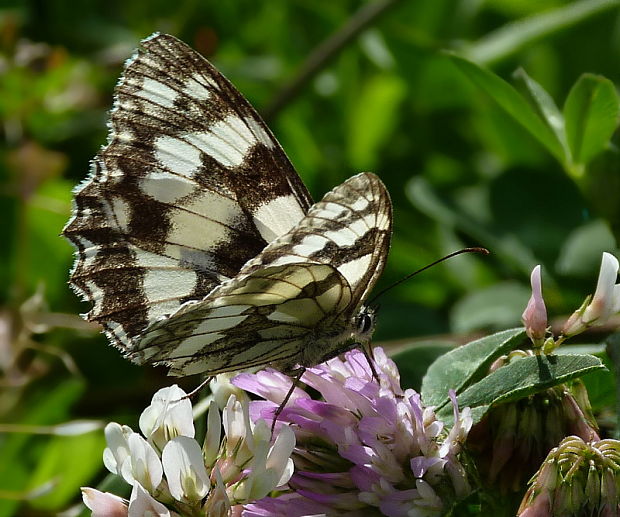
point(197, 242)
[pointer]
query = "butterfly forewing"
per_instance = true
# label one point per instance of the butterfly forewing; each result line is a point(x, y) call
point(191, 186)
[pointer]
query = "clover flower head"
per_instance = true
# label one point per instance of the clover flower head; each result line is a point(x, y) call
point(172, 474)
point(366, 445)
point(577, 478)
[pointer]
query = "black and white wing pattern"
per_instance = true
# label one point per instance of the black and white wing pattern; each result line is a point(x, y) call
point(191, 185)
point(297, 303)
point(198, 244)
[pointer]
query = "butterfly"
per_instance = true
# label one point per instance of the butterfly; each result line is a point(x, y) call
point(197, 243)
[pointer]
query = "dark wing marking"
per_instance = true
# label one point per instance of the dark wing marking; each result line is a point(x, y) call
point(190, 186)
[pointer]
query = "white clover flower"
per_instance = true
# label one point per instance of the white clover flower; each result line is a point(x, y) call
point(143, 465)
point(184, 466)
point(211, 445)
point(117, 451)
point(104, 504)
point(168, 416)
point(141, 504)
point(604, 303)
point(222, 389)
point(218, 503)
point(171, 471)
point(606, 299)
point(270, 467)
point(239, 439)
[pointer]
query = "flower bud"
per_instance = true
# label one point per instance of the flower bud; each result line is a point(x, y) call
point(579, 478)
point(510, 441)
point(535, 314)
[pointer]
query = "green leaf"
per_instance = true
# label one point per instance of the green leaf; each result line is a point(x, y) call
point(521, 378)
point(374, 118)
point(512, 37)
point(466, 364)
point(544, 105)
point(580, 254)
point(513, 103)
point(508, 248)
point(591, 114)
point(414, 360)
point(69, 462)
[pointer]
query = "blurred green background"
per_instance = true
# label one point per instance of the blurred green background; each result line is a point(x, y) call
point(469, 159)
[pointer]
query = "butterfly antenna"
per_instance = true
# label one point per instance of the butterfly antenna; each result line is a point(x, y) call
point(483, 251)
point(296, 382)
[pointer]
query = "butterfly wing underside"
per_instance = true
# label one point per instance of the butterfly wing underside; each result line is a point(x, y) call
point(191, 185)
point(295, 303)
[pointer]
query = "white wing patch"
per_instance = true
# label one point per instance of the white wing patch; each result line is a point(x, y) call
point(227, 141)
point(178, 155)
point(156, 92)
point(194, 88)
point(277, 216)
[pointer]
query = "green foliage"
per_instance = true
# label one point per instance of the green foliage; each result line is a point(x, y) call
point(523, 163)
point(591, 113)
point(465, 370)
point(465, 365)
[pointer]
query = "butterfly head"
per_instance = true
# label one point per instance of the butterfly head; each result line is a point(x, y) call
point(365, 323)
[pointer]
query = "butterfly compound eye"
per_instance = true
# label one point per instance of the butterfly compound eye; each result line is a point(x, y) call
point(365, 323)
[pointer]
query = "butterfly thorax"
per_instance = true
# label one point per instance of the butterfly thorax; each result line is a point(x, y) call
point(329, 341)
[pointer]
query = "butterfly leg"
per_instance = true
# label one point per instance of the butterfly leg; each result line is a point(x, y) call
point(296, 381)
point(197, 389)
point(371, 360)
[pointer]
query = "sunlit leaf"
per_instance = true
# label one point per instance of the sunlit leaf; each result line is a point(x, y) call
point(544, 105)
point(373, 119)
point(513, 103)
point(69, 462)
point(463, 365)
point(591, 112)
point(523, 377)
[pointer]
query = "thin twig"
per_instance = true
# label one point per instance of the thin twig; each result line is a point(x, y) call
point(327, 50)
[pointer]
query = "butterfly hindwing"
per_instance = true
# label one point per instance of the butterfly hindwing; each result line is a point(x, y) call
point(296, 302)
point(265, 317)
point(190, 186)
point(350, 229)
